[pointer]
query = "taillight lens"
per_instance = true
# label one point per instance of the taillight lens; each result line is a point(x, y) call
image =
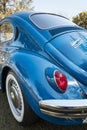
point(60, 80)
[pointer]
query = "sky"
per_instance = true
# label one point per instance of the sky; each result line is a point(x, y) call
point(67, 8)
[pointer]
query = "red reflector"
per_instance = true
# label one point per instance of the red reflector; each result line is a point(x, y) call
point(60, 80)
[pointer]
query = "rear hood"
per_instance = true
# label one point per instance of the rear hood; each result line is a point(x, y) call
point(70, 51)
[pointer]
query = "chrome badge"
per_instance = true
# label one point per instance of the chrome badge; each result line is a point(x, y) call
point(77, 43)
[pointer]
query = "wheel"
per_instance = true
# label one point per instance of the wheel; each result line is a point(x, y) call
point(21, 111)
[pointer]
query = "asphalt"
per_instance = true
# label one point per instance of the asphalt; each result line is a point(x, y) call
point(7, 121)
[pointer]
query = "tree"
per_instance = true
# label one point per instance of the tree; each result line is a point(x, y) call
point(81, 19)
point(8, 7)
point(3, 5)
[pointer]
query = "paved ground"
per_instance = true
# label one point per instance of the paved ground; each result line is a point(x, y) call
point(8, 123)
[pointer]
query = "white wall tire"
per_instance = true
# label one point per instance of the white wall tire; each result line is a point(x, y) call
point(15, 97)
point(21, 111)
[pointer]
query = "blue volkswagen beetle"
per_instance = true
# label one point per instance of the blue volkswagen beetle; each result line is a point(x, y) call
point(43, 68)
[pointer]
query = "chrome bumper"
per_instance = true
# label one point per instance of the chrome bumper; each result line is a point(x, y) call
point(64, 108)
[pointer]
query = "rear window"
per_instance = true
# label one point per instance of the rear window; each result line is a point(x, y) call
point(47, 21)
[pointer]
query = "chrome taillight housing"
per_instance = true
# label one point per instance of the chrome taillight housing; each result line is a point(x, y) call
point(57, 79)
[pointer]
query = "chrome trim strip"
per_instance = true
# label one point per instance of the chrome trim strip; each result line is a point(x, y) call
point(63, 115)
point(64, 108)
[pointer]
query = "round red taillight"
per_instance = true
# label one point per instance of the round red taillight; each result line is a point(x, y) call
point(60, 80)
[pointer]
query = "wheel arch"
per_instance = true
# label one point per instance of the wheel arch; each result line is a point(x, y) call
point(5, 71)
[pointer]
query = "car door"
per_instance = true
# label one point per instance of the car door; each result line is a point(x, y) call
point(6, 36)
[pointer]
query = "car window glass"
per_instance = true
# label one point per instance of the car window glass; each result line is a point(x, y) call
point(6, 32)
point(46, 21)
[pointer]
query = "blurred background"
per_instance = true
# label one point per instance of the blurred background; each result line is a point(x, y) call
point(75, 10)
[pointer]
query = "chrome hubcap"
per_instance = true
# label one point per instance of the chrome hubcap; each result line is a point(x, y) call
point(14, 94)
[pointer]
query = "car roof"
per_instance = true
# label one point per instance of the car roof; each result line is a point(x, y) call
point(26, 14)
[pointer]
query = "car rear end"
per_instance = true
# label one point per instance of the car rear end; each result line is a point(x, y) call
point(67, 47)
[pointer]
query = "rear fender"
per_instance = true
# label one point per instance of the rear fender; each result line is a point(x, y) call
point(30, 71)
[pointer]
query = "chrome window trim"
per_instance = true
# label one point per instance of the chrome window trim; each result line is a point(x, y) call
point(49, 27)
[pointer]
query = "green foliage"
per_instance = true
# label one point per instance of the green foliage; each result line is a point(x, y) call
point(81, 19)
point(8, 7)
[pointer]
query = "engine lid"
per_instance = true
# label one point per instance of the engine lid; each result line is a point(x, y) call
point(70, 51)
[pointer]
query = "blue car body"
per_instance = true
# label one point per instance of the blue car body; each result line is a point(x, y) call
point(34, 53)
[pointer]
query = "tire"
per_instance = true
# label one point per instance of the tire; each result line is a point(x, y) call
point(20, 110)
